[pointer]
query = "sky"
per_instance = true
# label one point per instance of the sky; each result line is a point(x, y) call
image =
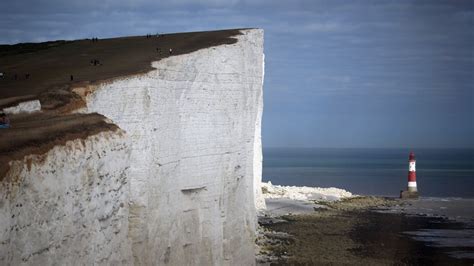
point(339, 74)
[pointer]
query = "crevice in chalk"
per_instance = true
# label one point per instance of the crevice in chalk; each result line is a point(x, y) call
point(191, 190)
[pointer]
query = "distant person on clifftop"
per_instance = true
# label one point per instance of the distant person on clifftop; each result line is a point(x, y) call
point(171, 50)
point(4, 121)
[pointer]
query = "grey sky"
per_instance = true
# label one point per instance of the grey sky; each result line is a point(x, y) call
point(338, 73)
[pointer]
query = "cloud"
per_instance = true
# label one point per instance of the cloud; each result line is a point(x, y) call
point(319, 53)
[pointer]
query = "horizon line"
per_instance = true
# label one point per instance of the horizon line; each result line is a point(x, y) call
point(401, 148)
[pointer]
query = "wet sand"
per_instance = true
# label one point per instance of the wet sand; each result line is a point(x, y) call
point(354, 232)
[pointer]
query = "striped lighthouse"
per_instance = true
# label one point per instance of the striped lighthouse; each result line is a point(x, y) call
point(412, 191)
point(412, 173)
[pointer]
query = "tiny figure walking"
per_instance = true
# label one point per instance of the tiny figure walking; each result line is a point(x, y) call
point(72, 77)
point(171, 50)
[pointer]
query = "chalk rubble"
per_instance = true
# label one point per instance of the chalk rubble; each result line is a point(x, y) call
point(271, 191)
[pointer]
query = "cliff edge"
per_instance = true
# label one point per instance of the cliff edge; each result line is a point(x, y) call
point(153, 157)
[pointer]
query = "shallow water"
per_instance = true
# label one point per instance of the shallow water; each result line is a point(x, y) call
point(440, 172)
point(460, 240)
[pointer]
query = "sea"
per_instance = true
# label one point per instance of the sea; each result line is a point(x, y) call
point(379, 172)
point(445, 179)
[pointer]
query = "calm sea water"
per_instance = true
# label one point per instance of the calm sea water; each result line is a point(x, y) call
point(440, 172)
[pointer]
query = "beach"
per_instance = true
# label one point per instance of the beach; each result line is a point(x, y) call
point(366, 230)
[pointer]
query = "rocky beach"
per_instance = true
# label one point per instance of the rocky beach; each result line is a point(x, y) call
point(341, 228)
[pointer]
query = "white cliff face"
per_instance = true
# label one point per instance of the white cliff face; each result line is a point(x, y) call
point(195, 164)
point(24, 107)
point(258, 156)
point(179, 186)
point(68, 206)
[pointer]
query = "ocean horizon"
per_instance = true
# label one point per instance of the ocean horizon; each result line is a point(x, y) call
point(441, 172)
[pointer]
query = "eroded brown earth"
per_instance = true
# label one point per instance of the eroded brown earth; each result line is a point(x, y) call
point(38, 133)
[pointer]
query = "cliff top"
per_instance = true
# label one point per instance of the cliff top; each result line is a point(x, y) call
point(37, 70)
point(43, 71)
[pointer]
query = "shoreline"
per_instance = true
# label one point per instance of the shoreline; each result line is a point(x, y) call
point(365, 230)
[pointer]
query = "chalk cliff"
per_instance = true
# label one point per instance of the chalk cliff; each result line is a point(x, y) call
point(194, 123)
point(68, 205)
point(177, 184)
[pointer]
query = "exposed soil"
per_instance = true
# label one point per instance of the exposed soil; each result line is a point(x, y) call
point(38, 133)
point(349, 233)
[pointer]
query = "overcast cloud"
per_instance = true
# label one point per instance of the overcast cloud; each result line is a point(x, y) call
point(338, 73)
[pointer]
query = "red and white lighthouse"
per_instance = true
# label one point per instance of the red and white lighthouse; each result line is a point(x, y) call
point(412, 191)
point(412, 173)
